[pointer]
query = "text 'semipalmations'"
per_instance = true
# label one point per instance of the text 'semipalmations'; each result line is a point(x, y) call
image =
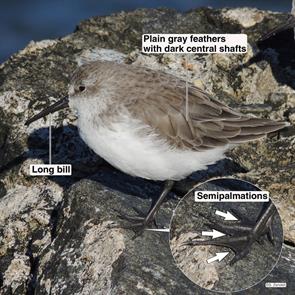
point(231, 196)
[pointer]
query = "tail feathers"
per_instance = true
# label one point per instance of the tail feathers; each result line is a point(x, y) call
point(245, 138)
point(288, 24)
point(249, 122)
point(258, 129)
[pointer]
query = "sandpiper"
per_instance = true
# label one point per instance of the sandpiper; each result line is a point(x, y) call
point(135, 118)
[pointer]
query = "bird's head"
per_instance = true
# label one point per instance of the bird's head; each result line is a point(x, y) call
point(85, 85)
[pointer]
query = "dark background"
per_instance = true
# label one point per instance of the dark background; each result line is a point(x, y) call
point(25, 20)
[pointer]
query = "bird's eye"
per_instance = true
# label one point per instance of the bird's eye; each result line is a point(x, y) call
point(82, 88)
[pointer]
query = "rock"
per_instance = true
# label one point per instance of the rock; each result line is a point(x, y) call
point(283, 272)
point(92, 255)
point(26, 228)
point(244, 16)
point(272, 170)
point(18, 271)
point(55, 232)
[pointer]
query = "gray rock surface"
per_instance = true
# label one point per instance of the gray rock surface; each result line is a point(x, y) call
point(54, 232)
point(91, 255)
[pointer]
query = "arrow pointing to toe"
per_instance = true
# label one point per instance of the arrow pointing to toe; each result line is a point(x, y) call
point(214, 234)
point(219, 256)
point(227, 215)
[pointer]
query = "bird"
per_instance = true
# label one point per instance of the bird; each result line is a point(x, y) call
point(135, 118)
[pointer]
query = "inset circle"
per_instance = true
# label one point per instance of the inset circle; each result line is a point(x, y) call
point(226, 246)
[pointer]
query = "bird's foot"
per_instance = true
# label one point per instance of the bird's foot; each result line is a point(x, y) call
point(141, 221)
point(240, 237)
point(137, 223)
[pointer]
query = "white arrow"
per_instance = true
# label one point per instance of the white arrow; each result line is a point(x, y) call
point(214, 234)
point(227, 215)
point(219, 256)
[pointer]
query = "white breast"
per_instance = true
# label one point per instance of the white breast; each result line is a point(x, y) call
point(124, 147)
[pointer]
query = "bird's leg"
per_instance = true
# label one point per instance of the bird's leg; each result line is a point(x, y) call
point(167, 188)
point(240, 237)
point(262, 227)
point(142, 222)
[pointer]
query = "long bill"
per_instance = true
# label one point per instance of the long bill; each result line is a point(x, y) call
point(59, 105)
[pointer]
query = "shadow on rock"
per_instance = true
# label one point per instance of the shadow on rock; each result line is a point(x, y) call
point(280, 57)
point(67, 148)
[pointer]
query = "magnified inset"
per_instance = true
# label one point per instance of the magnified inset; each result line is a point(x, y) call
point(226, 235)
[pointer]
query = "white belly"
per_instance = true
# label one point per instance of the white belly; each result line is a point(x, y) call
point(147, 157)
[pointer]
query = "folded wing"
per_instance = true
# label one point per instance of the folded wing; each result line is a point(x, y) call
point(210, 124)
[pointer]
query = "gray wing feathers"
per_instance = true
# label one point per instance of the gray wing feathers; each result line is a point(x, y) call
point(211, 123)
